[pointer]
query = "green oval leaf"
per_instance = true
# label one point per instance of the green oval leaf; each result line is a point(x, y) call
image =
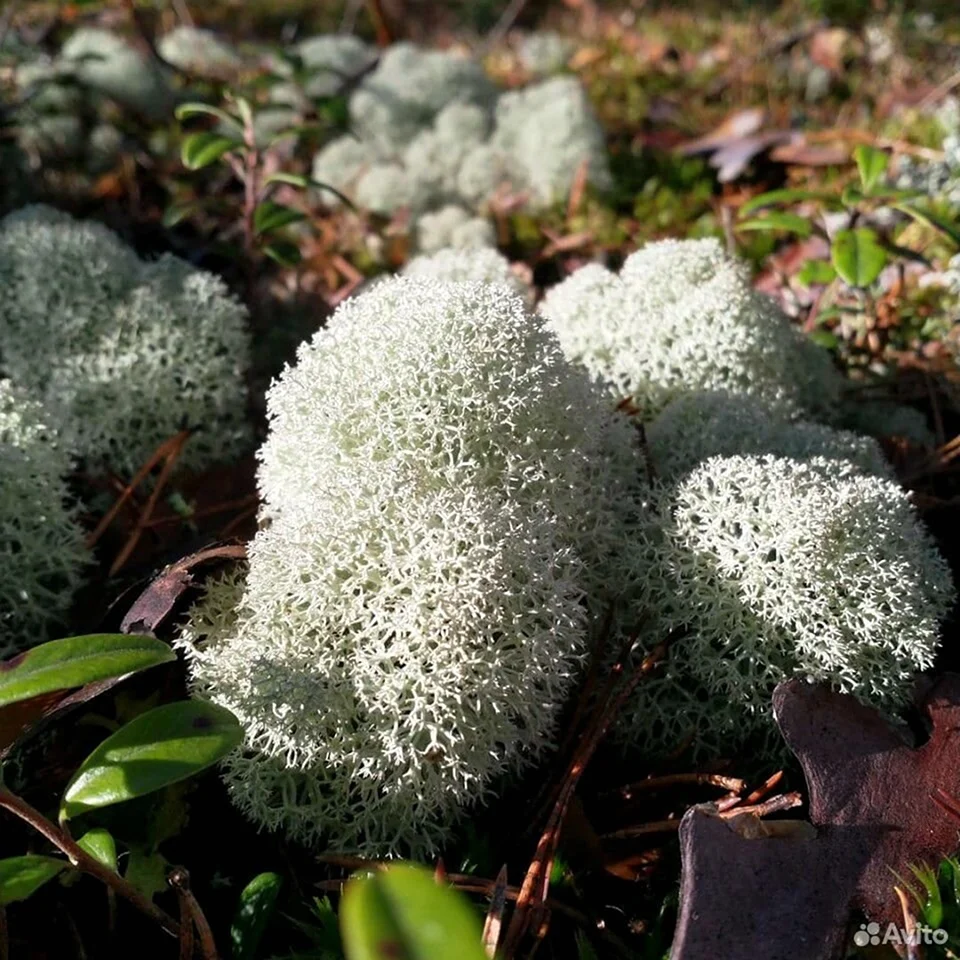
point(284, 252)
point(257, 901)
point(199, 150)
point(773, 198)
point(160, 747)
point(75, 661)
point(101, 846)
point(271, 216)
point(21, 877)
point(402, 913)
point(779, 220)
point(816, 272)
point(872, 164)
point(929, 219)
point(194, 109)
point(858, 256)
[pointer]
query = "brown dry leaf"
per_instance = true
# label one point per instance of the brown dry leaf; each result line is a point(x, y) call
point(751, 889)
point(747, 890)
point(742, 123)
point(157, 602)
point(870, 791)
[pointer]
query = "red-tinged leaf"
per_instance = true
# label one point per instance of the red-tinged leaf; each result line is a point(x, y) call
point(160, 598)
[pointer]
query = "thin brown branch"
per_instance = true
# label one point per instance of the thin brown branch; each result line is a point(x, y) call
point(494, 920)
point(159, 454)
point(764, 788)
point(179, 879)
point(83, 862)
point(536, 883)
point(783, 801)
point(170, 461)
point(700, 779)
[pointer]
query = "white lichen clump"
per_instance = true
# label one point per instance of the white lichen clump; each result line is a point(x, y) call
point(771, 568)
point(42, 554)
point(123, 354)
point(430, 132)
point(200, 52)
point(106, 63)
point(546, 132)
point(697, 426)
point(443, 492)
point(681, 316)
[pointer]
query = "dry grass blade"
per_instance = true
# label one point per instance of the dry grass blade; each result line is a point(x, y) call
point(536, 883)
point(494, 920)
point(913, 951)
point(159, 454)
point(170, 461)
point(943, 800)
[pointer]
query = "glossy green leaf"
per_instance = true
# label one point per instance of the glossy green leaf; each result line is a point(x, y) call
point(195, 109)
point(930, 219)
point(816, 272)
point(402, 913)
point(21, 877)
point(178, 212)
point(774, 198)
point(101, 846)
point(858, 256)
point(199, 150)
point(271, 216)
point(76, 661)
point(779, 220)
point(872, 165)
point(284, 252)
point(851, 196)
point(257, 902)
point(825, 339)
point(160, 747)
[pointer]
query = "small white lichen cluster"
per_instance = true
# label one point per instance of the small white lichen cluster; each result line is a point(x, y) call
point(937, 179)
point(122, 354)
point(458, 266)
point(332, 61)
point(430, 132)
point(200, 53)
point(545, 53)
point(442, 492)
point(452, 227)
point(42, 554)
point(681, 316)
point(773, 567)
point(545, 133)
